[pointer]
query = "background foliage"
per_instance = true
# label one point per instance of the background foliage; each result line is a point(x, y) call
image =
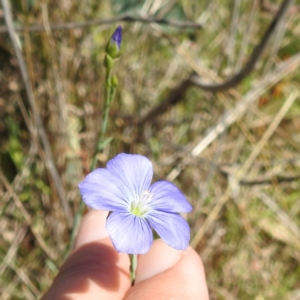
point(243, 184)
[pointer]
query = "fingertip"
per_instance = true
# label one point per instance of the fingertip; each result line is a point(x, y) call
point(173, 275)
point(158, 259)
point(92, 228)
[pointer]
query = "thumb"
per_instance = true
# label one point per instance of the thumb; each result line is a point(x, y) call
point(166, 273)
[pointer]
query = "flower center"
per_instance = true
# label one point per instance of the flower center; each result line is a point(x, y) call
point(139, 206)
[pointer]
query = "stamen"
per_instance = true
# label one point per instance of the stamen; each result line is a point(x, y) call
point(139, 206)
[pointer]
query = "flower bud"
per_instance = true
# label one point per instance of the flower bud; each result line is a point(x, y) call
point(113, 48)
point(114, 81)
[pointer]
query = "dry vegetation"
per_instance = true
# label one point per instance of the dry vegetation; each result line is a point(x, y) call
point(235, 153)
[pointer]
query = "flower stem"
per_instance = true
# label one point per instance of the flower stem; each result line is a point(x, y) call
point(110, 92)
point(133, 267)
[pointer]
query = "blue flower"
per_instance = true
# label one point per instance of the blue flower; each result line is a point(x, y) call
point(124, 188)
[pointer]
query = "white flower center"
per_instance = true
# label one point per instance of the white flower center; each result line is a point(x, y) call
point(139, 205)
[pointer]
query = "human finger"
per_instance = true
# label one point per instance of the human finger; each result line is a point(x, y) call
point(166, 273)
point(94, 270)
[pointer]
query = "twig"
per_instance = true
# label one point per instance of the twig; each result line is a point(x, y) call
point(8, 292)
point(224, 171)
point(18, 182)
point(27, 217)
point(283, 217)
point(178, 93)
point(276, 44)
point(174, 97)
point(22, 274)
point(227, 169)
point(269, 132)
point(272, 8)
point(243, 170)
point(274, 179)
point(257, 52)
point(233, 32)
point(237, 112)
point(11, 253)
point(48, 153)
point(231, 116)
point(246, 36)
point(125, 18)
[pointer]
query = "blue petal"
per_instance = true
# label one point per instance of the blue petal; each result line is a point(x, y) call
point(102, 190)
point(171, 227)
point(117, 36)
point(167, 197)
point(134, 170)
point(129, 233)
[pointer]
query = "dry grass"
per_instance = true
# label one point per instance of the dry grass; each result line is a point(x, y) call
point(234, 154)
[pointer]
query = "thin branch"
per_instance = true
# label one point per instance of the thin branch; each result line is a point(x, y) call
point(282, 216)
point(13, 249)
point(174, 97)
point(247, 33)
point(178, 93)
point(232, 115)
point(124, 18)
point(275, 179)
point(240, 173)
point(233, 34)
point(225, 171)
point(272, 8)
point(257, 52)
point(42, 133)
point(26, 215)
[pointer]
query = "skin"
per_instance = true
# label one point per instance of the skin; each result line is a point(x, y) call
point(95, 270)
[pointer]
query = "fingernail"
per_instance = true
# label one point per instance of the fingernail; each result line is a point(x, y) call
point(92, 228)
point(159, 258)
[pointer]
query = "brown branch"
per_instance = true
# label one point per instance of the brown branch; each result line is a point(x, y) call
point(226, 170)
point(178, 93)
point(272, 8)
point(50, 165)
point(174, 97)
point(25, 214)
point(275, 179)
point(260, 181)
point(125, 18)
point(257, 52)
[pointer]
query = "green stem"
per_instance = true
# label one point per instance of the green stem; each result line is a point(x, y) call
point(133, 267)
point(110, 92)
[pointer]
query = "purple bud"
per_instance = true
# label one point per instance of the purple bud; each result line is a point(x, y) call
point(113, 47)
point(117, 36)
